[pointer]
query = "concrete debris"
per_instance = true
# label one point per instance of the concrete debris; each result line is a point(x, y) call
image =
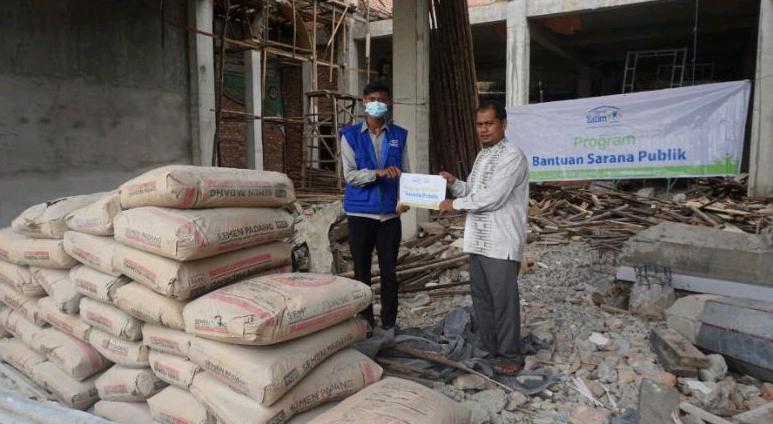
point(767, 391)
point(728, 326)
point(515, 401)
point(598, 339)
point(677, 354)
point(716, 370)
point(432, 228)
point(650, 298)
point(469, 382)
point(760, 415)
point(313, 229)
point(703, 252)
point(656, 402)
point(587, 415)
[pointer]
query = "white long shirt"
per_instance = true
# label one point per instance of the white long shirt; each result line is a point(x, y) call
point(496, 199)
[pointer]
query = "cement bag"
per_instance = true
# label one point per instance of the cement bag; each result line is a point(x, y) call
point(20, 250)
point(177, 406)
point(73, 393)
point(96, 218)
point(274, 308)
point(118, 350)
point(68, 324)
point(395, 400)
point(149, 306)
point(77, 359)
point(24, 305)
point(60, 289)
point(96, 285)
point(110, 319)
point(172, 369)
point(24, 329)
point(166, 340)
point(94, 251)
point(339, 376)
point(193, 187)
point(19, 277)
point(20, 356)
point(266, 373)
point(183, 280)
point(185, 235)
point(124, 412)
point(47, 220)
point(128, 384)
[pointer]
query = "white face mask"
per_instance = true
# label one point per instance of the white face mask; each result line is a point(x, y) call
point(376, 109)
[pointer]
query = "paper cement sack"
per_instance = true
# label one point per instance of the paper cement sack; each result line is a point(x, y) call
point(73, 393)
point(177, 406)
point(274, 308)
point(124, 412)
point(395, 400)
point(20, 356)
point(173, 369)
point(19, 277)
point(110, 319)
point(96, 218)
point(21, 250)
point(266, 373)
point(185, 235)
point(122, 352)
point(94, 251)
point(167, 340)
point(192, 187)
point(76, 358)
point(96, 285)
point(339, 376)
point(149, 306)
point(60, 289)
point(123, 384)
point(47, 220)
point(24, 329)
point(68, 324)
point(184, 280)
point(24, 305)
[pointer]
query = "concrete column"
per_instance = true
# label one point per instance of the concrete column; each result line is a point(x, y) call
point(202, 82)
point(349, 56)
point(761, 153)
point(310, 114)
point(517, 73)
point(410, 61)
point(253, 96)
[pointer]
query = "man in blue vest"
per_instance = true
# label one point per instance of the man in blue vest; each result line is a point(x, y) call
point(373, 156)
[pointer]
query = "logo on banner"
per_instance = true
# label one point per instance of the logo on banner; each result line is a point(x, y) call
point(603, 115)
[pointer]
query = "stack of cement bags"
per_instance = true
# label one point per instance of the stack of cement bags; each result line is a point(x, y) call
point(170, 301)
point(276, 345)
point(183, 232)
point(38, 291)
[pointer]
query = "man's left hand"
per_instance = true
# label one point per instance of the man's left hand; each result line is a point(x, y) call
point(401, 208)
point(447, 205)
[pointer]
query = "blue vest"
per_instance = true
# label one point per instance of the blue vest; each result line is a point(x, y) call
point(379, 197)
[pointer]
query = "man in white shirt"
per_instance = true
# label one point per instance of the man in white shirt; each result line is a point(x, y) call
point(496, 199)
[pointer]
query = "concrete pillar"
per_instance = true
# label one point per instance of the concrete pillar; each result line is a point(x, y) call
point(517, 73)
point(349, 56)
point(202, 82)
point(253, 96)
point(410, 61)
point(761, 152)
point(310, 114)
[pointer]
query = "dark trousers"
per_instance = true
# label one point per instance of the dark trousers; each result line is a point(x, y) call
point(364, 235)
point(494, 286)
